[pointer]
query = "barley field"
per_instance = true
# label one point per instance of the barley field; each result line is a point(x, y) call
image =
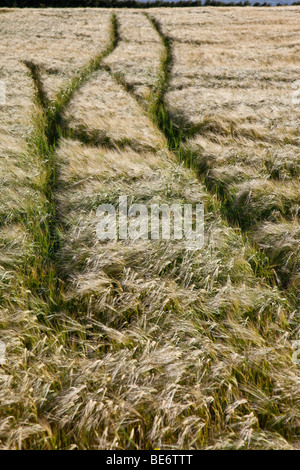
point(143, 344)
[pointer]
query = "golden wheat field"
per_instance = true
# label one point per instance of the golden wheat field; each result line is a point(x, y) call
point(140, 343)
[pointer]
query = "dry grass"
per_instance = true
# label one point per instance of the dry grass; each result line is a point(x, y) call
point(142, 345)
point(102, 112)
point(163, 323)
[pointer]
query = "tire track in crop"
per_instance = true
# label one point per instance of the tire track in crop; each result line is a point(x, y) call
point(43, 222)
point(176, 136)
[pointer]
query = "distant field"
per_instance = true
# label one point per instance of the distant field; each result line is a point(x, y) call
point(142, 344)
